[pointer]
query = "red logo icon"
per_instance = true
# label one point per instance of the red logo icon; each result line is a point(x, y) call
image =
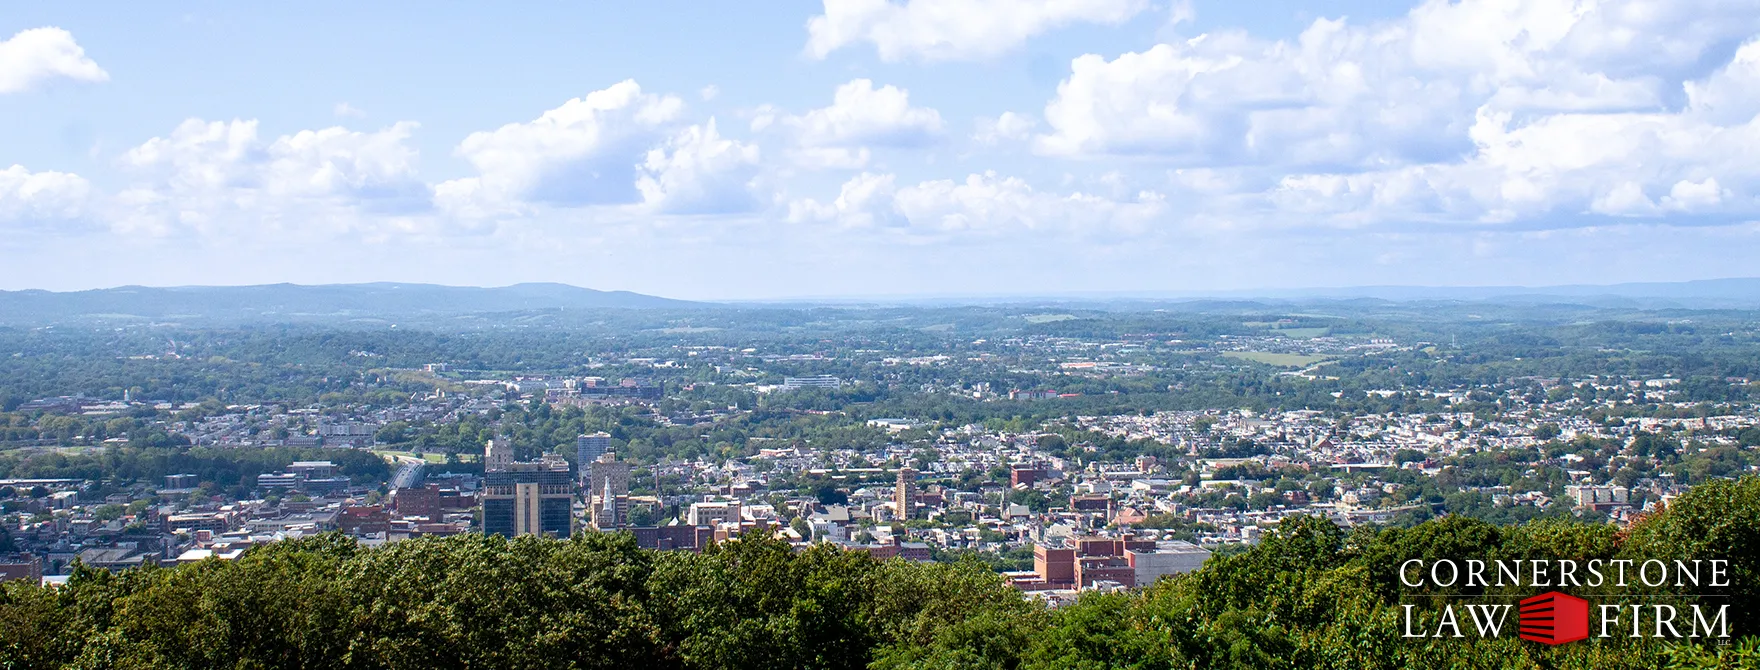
point(1554, 618)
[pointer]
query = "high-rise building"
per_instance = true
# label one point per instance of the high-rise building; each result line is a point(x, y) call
point(608, 491)
point(904, 494)
point(523, 498)
point(587, 449)
point(497, 455)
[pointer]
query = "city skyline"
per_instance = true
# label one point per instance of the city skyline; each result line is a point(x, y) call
point(960, 148)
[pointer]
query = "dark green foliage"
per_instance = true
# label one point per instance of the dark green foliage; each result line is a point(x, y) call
point(1309, 596)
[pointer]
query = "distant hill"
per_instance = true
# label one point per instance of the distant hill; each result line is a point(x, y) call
point(1741, 293)
point(293, 302)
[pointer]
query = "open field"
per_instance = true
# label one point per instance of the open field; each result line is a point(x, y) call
point(1283, 360)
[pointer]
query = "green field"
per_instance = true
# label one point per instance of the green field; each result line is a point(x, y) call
point(1283, 360)
point(1048, 318)
point(1302, 333)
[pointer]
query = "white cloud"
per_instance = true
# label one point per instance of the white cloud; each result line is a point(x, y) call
point(1395, 92)
point(347, 111)
point(831, 158)
point(932, 30)
point(981, 204)
point(861, 114)
point(1532, 113)
point(210, 176)
point(36, 56)
point(39, 199)
point(583, 152)
point(700, 172)
point(1007, 127)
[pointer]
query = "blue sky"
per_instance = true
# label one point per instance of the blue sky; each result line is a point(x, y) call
point(880, 147)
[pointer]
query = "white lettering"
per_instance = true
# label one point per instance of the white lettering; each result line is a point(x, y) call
point(1540, 578)
point(1722, 621)
point(1665, 621)
point(1454, 573)
point(1681, 575)
point(1512, 569)
point(1476, 573)
point(1409, 633)
point(1482, 618)
point(1719, 571)
point(1621, 563)
point(1448, 621)
point(1595, 572)
point(1402, 573)
point(1644, 573)
point(1567, 572)
point(1605, 620)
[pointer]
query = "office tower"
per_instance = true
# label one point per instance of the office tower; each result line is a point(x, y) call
point(523, 498)
point(497, 455)
point(608, 491)
point(588, 448)
point(904, 495)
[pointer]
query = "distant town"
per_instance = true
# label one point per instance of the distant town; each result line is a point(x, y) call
point(1065, 461)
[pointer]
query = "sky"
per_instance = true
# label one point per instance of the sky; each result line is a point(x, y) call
point(847, 148)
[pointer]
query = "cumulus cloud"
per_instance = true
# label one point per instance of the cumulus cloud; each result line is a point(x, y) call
point(700, 172)
point(583, 152)
point(41, 199)
point(39, 55)
point(984, 204)
point(931, 30)
point(206, 175)
point(860, 116)
point(1478, 111)
point(1006, 127)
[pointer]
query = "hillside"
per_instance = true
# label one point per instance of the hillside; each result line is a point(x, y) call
point(299, 303)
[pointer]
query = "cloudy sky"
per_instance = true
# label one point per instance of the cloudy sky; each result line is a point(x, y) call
point(881, 147)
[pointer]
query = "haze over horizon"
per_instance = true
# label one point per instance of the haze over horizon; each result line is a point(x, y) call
point(861, 148)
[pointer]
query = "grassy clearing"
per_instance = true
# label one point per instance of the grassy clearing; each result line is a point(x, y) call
point(1280, 360)
point(1048, 318)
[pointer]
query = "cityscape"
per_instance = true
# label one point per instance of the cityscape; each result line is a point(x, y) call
point(704, 443)
point(880, 335)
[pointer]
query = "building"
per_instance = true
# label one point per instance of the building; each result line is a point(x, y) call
point(529, 498)
point(181, 482)
point(421, 501)
point(587, 449)
point(313, 469)
point(1027, 474)
point(666, 538)
point(278, 480)
point(594, 388)
point(712, 513)
point(194, 521)
point(608, 492)
point(1167, 558)
point(497, 455)
point(115, 558)
point(904, 493)
point(1123, 561)
point(816, 381)
point(1055, 566)
point(21, 566)
point(1598, 497)
point(364, 519)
